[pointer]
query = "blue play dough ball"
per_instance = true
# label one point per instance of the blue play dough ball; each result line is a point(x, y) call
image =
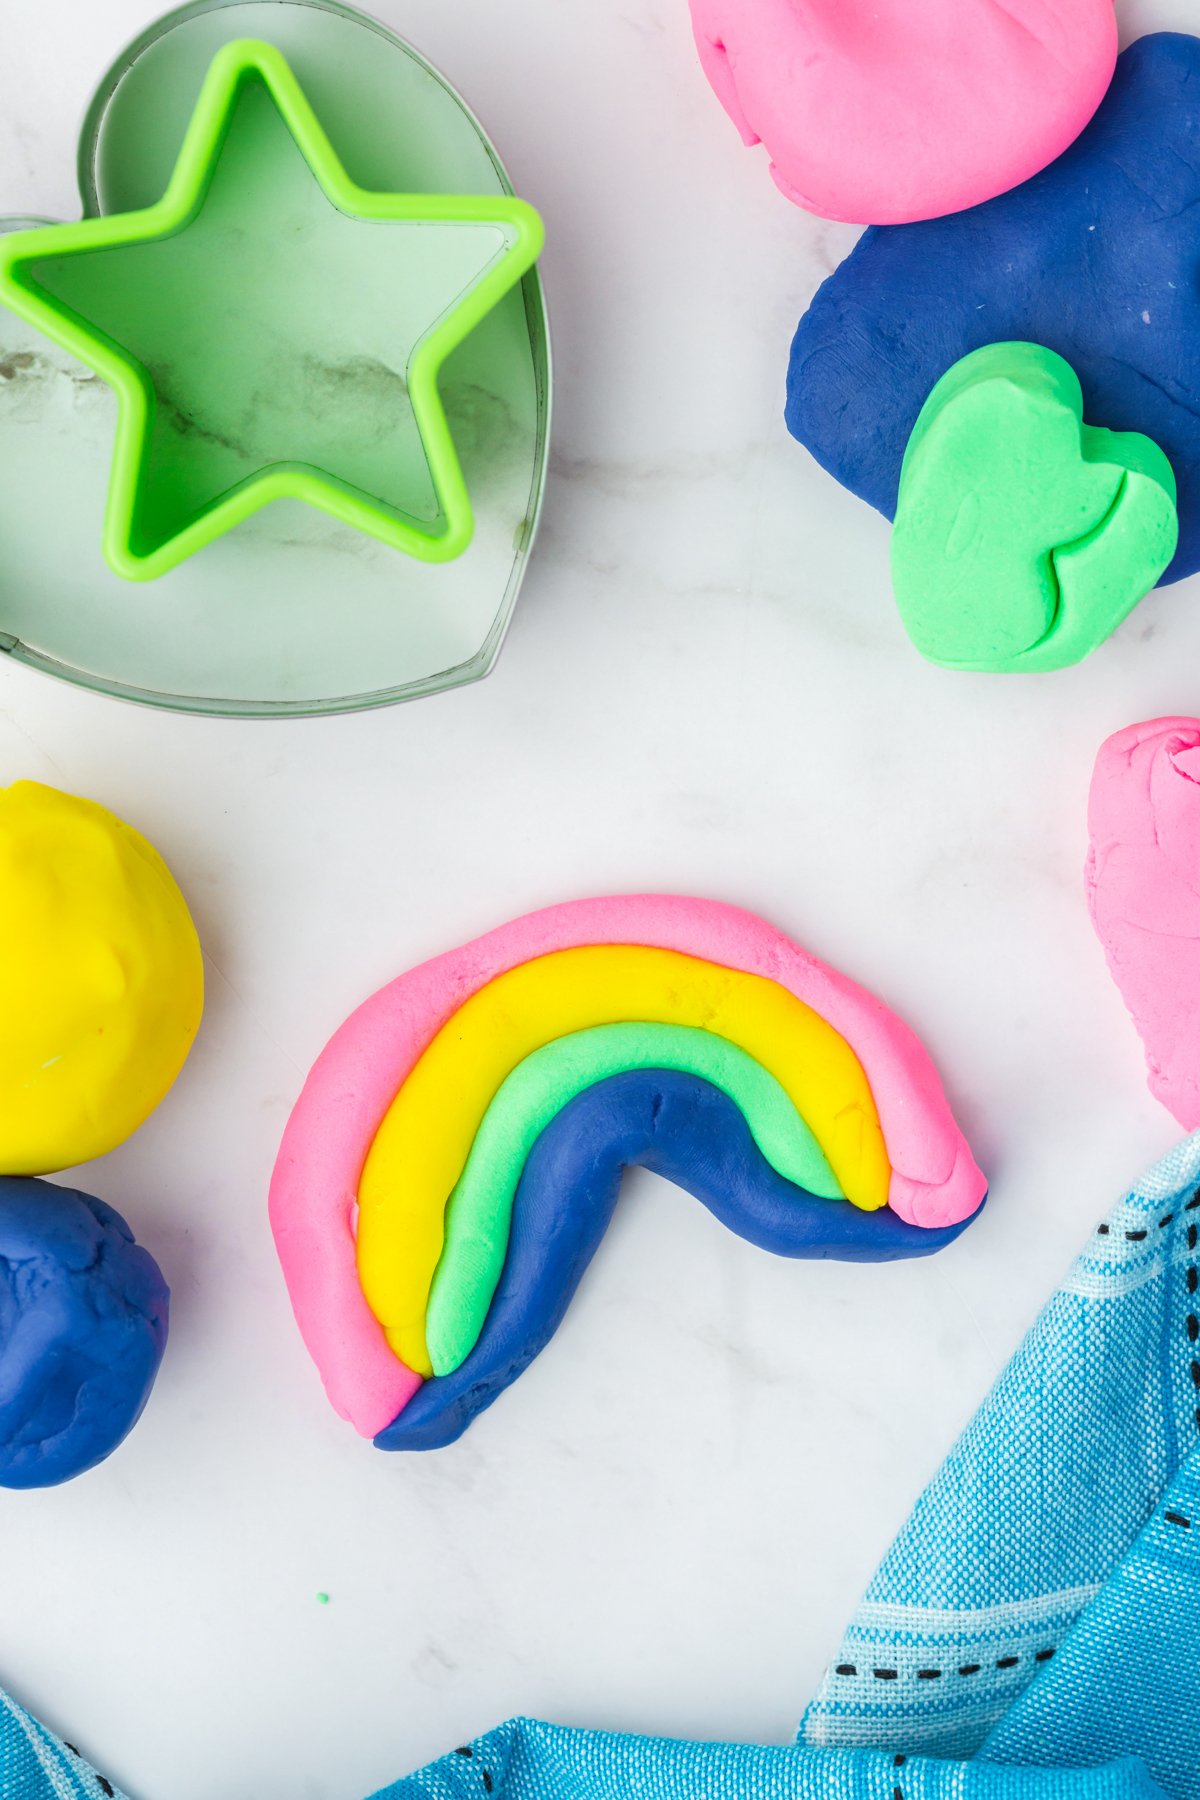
point(83, 1326)
point(678, 1126)
point(1097, 258)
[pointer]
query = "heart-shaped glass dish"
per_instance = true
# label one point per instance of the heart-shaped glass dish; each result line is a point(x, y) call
point(292, 613)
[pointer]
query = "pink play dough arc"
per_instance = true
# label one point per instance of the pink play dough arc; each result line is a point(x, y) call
point(884, 111)
point(1143, 889)
point(314, 1188)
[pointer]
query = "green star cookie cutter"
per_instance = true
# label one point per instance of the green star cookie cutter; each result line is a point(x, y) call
point(1023, 537)
point(152, 521)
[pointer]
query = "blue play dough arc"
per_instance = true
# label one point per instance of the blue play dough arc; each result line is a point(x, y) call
point(83, 1326)
point(678, 1126)
point(1097, 258)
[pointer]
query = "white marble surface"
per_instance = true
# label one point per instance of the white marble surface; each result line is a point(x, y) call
point(664, 1526)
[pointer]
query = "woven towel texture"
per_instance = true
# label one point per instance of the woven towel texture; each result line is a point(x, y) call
point(1033, 1633)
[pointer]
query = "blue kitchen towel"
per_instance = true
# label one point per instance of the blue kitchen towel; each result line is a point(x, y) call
point(1039, 1615)
point(524, 1760)
point(1126, 1681)
point(1043, 1496)
point(1034, 1632)
point(35, 1765)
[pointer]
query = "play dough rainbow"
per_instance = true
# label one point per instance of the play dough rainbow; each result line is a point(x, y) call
point(423, 1143)
point(426, 1163)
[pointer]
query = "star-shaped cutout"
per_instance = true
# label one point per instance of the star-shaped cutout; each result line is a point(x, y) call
point(272, 330)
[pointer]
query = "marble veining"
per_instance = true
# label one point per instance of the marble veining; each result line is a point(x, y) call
point(667, 1523)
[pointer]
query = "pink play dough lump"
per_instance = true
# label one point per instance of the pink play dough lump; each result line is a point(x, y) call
point(1143, 885)
point(884, 111)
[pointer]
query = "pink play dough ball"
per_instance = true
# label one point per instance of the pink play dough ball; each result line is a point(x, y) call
point(1143, 888)
point(884, 111)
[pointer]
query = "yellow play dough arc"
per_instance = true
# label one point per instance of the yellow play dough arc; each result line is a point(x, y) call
point(101, 980)
point(425, 1138)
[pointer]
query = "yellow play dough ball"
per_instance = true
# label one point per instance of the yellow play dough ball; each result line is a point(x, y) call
point(101, 980)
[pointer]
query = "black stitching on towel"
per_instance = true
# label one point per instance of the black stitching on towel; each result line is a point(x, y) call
point(1140, 1236)
point(899, 1761)
point(1174, 1518)
point(105, 1786)
point(931, 1674)
point(464, 1750)
point(487, 1782)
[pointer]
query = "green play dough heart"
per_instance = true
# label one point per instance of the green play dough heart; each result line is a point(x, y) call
point(1023, 537)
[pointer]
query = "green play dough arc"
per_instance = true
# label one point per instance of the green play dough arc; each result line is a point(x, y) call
point(1024, 537)
point(480, 1209)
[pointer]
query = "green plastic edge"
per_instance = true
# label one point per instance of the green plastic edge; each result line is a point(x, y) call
point(233, 65)
point(482, 661)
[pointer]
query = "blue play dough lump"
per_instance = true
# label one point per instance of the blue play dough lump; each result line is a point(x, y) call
point(83, 1326)
point(677, 1126)
point(1098, 258)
